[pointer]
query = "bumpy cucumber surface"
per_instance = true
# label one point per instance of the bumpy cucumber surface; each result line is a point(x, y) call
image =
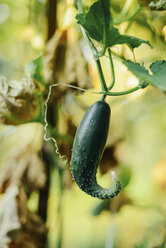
point(88, 147)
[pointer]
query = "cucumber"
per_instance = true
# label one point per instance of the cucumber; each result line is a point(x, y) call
point(88, 147)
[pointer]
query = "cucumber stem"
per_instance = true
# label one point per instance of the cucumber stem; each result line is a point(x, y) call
point(101, 75)
point(94, 50)
point(121, 93)
point(112, 69)
point(103, 97)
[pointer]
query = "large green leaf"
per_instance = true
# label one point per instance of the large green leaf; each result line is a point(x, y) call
point(98, 23)
point(96, 19)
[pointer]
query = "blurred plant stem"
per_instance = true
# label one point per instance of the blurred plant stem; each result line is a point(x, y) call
point(110, 233)
point(54, 164)
point(60, 213)
point(49, 155)
point(51, 13)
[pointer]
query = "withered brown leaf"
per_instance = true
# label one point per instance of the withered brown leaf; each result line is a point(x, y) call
point(19, 100)
point(64, 61)
point(18, 227)
point(24, 167)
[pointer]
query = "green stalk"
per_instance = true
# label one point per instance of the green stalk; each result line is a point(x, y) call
point(94, 51)
point(90, 43)
point(101, 75)
point(121, 93)
point(134, 14)
point(95, 54)
point(112, 69)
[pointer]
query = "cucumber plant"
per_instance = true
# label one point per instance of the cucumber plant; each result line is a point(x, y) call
point(97, 24)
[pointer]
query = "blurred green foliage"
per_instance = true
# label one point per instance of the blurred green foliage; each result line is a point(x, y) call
point(23, 29)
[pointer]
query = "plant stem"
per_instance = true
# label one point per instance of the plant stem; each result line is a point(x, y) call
point(121, 93)
point(112, 69)
point(90, 43)
point(101, 76)
point(86, 36)
point(52, 17)
point(94, 50)
point(103, 97)
point(95, 54)
point(134, 14)
point(124, 11)
point(60, 214)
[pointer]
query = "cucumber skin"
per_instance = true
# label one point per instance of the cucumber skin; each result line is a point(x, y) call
point(88, 147)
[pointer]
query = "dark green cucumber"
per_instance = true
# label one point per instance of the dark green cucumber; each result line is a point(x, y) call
point(88, 147)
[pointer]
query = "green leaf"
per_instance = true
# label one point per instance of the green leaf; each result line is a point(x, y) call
point(100, 207)
point(35, 69)
point(124, 176)
point(162, 244)
point(131, 41)
point(156, 79)
point(96, 19)
point(139, 71)
point(98, 23)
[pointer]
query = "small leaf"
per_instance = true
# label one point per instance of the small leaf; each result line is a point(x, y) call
point(100, 207)
point(9, 215)
point(158, 69)
point(158, 79)
point(131, 41)
point(162, 245)
point(125, 176)
point(35, 69)
point(19, 100)
point(139, 71)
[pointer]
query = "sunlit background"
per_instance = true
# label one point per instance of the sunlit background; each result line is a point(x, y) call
point(40, 205)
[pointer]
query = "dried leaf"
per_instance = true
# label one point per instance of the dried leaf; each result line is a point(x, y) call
point(64, 61)
point(57, 41)
point(23, 167)
point(109, 160)
point(31, 234)
point(9, 220)
point(19, 101)
point(18, 227)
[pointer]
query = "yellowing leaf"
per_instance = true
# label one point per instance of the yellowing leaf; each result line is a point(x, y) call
point(9, 220)
point(25, 165)
point(19, 101)
point(64, 61)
